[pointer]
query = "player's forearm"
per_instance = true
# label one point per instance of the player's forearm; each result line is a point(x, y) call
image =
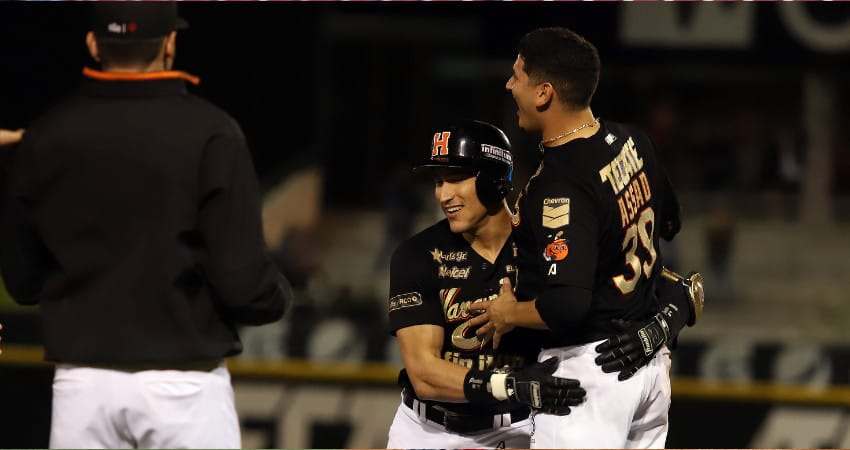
point(439, 380)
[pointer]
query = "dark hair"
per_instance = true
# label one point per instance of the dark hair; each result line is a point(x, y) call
point(128, 52)
point(566, 60)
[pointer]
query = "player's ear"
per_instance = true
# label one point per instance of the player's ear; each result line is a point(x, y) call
point(544, 95)
point(91, 44)
point(171, 45)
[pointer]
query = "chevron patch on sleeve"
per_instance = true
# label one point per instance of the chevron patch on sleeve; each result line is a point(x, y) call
point(556, 212)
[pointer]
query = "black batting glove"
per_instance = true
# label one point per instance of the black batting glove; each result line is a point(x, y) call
point(637, 342)
point(634, 347)
point(532, 385)
point(535, 386)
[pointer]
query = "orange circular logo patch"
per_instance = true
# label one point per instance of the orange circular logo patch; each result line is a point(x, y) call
point(556, 250)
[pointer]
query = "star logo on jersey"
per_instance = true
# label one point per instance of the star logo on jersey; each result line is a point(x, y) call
point(441, 256)
point(556, 250)
point(556, 212)
point(437, 254)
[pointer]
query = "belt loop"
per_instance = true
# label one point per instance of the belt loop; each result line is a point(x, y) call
point(502, 420)
point(418, 407)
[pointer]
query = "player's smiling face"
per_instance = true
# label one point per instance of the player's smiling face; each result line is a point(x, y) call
point(524, 92)
point(455, 190)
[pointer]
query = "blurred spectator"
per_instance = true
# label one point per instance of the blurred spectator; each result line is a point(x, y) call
point(720, 239)
point(783, 163)
point(298, 259)
point(351, 330)
point(298, 256)
point(291, 211)
point(716, 163)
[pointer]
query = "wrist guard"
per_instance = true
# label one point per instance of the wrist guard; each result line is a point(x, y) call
point(477, 387)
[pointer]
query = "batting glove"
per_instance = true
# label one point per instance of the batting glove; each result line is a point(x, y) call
point(532, 385)
point(634, 347)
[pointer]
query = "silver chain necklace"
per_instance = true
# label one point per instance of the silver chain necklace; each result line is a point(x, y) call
point(575, 130)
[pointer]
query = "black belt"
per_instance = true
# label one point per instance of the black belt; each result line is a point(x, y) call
point(460, 423)
point(202, 366)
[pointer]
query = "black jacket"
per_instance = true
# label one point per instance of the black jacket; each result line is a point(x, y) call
point(132, 218)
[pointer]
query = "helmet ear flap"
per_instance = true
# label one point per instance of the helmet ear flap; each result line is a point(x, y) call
point(491, 186)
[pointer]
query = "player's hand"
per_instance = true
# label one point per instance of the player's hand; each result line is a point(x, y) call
point(535, 386)
point(8, 137)
point(497, 314)
point(634, 347)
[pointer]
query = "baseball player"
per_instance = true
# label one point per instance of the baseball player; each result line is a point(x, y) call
point(458, 392)
point(587, 227)
point(133, 221)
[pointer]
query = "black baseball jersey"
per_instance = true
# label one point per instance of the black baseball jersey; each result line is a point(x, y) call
point(133, 219)
point(434, 277)
point(590, 218)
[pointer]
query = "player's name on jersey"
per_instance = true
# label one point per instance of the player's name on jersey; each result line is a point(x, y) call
point(622, 168)
point(634, 198)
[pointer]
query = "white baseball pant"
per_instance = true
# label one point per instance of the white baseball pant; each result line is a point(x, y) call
point(412, 430)
point(616, 414)
point(105, 408)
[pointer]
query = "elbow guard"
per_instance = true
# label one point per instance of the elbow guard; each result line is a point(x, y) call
point(694, 297)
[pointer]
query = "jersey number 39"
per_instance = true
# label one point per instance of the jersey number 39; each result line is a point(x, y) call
point(641, 234)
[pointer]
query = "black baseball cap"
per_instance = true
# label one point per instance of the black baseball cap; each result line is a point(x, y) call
point(135, 19)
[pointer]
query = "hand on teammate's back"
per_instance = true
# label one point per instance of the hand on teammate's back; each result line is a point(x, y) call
point(634, 347)
point(534, 385)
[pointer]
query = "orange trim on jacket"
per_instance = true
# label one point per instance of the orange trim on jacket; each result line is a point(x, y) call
point(141, 76)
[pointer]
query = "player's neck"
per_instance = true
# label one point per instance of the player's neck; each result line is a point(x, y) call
point(563, 126)
point(488, 239)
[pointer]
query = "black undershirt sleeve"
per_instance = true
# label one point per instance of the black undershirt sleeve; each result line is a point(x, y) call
point(564, 308)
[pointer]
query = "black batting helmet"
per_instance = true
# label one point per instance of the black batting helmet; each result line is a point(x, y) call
point(477, 146)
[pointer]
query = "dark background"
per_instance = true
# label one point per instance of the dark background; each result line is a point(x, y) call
point(358, 87)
